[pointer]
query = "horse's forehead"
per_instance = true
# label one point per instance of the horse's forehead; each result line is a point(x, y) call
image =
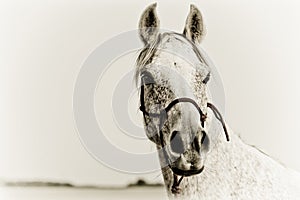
point(176, 65)
point(177, 47)
point(175, 54)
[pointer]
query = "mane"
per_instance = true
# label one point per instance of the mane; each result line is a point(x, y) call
point(145, 56)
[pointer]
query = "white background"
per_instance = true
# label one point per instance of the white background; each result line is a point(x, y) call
point(254, 44)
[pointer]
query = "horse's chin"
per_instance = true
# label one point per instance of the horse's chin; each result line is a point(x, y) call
point(186, 173)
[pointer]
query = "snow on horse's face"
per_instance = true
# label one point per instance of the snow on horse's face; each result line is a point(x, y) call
point(170, 66)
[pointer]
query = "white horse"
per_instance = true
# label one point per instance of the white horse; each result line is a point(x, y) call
point(179, 118)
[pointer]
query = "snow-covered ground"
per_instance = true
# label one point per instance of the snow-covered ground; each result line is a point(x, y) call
point(65, 193)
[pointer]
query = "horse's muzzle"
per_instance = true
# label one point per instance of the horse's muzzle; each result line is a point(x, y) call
point(186, 173)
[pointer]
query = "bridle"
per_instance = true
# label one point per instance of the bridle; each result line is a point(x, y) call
point(162, 115)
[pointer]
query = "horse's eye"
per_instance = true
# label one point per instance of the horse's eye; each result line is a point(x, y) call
point(206, 78)
point(147, 78)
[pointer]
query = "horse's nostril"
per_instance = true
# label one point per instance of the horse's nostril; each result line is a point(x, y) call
point(176, 142)
point(203, 137)
point(196, 144)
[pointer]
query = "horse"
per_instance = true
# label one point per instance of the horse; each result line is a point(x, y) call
point(196, 162)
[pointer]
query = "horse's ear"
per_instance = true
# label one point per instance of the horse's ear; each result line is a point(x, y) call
point(149, 24)
point(194, 28)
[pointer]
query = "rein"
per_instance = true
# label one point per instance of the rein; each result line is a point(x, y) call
point(162, 115)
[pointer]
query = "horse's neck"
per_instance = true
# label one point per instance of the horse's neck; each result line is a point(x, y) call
point(231, 167)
